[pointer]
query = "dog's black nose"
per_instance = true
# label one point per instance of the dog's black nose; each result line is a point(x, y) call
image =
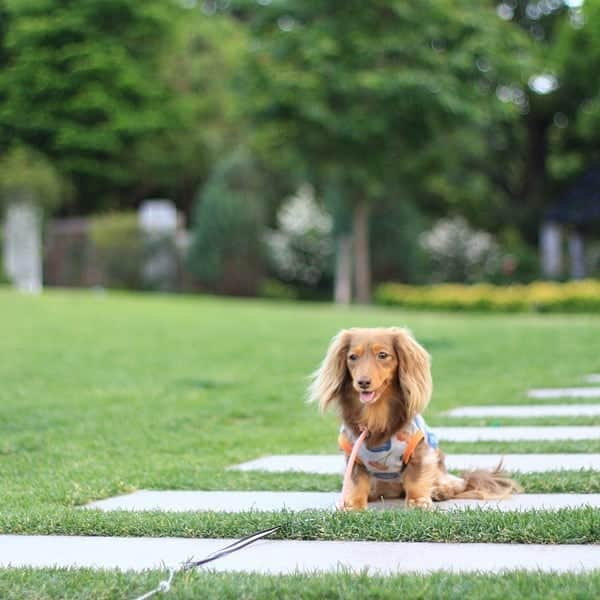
point(364, 383)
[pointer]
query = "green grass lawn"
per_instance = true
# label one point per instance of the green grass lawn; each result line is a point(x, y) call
point(25, 583)
point(105, 394)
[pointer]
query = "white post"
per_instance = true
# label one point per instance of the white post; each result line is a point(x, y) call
point(550, 250)
point(576, 255)
point(23, 245)
point(158, 220)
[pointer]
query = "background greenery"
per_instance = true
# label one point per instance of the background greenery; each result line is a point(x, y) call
point(397, 113)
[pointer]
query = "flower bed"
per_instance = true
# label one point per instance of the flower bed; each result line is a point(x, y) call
point(542, 296)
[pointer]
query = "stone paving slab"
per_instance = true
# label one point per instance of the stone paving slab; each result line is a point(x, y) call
point(593, 378)
point(290, 556)
point(333, 464)
point(502, 434)
point(540, 410)
point(574, 392)
point(231, 501)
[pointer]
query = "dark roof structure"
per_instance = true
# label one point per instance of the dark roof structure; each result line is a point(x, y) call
point(580, 204)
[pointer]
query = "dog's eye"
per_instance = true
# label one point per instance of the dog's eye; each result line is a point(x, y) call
point(353, 357)
point(382, 355)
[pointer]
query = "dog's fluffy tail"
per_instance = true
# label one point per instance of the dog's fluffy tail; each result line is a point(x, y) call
point(484, 484)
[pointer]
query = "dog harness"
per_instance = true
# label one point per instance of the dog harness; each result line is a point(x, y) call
point(388, 460)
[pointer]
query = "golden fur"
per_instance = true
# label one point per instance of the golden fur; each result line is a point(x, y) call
point(380, 379)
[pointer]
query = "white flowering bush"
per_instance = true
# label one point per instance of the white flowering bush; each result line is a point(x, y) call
point(301, 248)
point(460, 254)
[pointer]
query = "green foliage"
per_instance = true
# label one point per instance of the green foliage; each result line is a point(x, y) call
point(276, 290)
point(520, 262)
point(227, 250)
point(575, 296)
point(26, 172)
point(355, 95)
point(397, 254)
point(79, 82)
point(118, 247)
point(575, 55)
point(204, 122)
point(357, 91)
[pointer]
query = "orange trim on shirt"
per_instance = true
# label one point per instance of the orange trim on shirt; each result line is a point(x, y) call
point(412, 443)
point(346, 446)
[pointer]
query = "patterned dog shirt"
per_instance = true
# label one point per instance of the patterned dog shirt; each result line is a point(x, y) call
point(388, 460)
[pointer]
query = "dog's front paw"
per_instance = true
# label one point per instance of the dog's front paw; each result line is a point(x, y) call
point(352, 504)
point(421, 502)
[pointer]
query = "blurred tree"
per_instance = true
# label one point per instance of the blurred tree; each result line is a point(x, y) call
point(197, 68)
point(79, 84)
point(357, 90)
point(546, 148)
point(227, 251)
point(537, 102)
point(521, 165)
point(575, 129)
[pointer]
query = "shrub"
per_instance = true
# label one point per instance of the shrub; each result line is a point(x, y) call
point(301, 249)
point(24, 171)
point(542, 296)
point(118, 248)
point(460, 254)
point(271, 288)
point(227, 251)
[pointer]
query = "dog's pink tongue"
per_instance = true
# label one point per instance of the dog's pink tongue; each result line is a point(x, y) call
point(367, 397)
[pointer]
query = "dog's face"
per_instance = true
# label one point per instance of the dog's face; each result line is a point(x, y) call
point(371, 361)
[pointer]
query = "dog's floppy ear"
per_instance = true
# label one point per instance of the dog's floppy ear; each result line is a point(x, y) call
point(328, 380)
point(414, 371)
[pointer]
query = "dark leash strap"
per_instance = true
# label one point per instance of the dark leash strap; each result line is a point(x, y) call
point(165, 585)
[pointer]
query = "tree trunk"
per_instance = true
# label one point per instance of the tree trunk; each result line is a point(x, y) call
point(362, 259)
point(533, 189)
point(343, 270)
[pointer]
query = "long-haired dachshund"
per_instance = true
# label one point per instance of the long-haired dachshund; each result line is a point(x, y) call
point(381, 381)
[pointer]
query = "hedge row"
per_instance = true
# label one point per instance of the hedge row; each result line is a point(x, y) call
point(542, 296)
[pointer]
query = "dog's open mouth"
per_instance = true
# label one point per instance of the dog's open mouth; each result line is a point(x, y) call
point(370, 397)
point(367, 397)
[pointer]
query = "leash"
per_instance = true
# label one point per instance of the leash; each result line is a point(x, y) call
point(341, 503)
point(165, 585)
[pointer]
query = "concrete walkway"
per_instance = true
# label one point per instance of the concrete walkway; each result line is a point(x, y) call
point(502, 434)
point(285, 557)
point(575, 392)
point(548, 410)
point(233, 502)
point(333, 464)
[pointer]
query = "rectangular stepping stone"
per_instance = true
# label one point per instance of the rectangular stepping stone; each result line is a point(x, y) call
point(593, 378)
point(279, 557)
point(540, 410)
point(575, 392)
point(505, 434)
point(184, 501)
point(333, 464)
